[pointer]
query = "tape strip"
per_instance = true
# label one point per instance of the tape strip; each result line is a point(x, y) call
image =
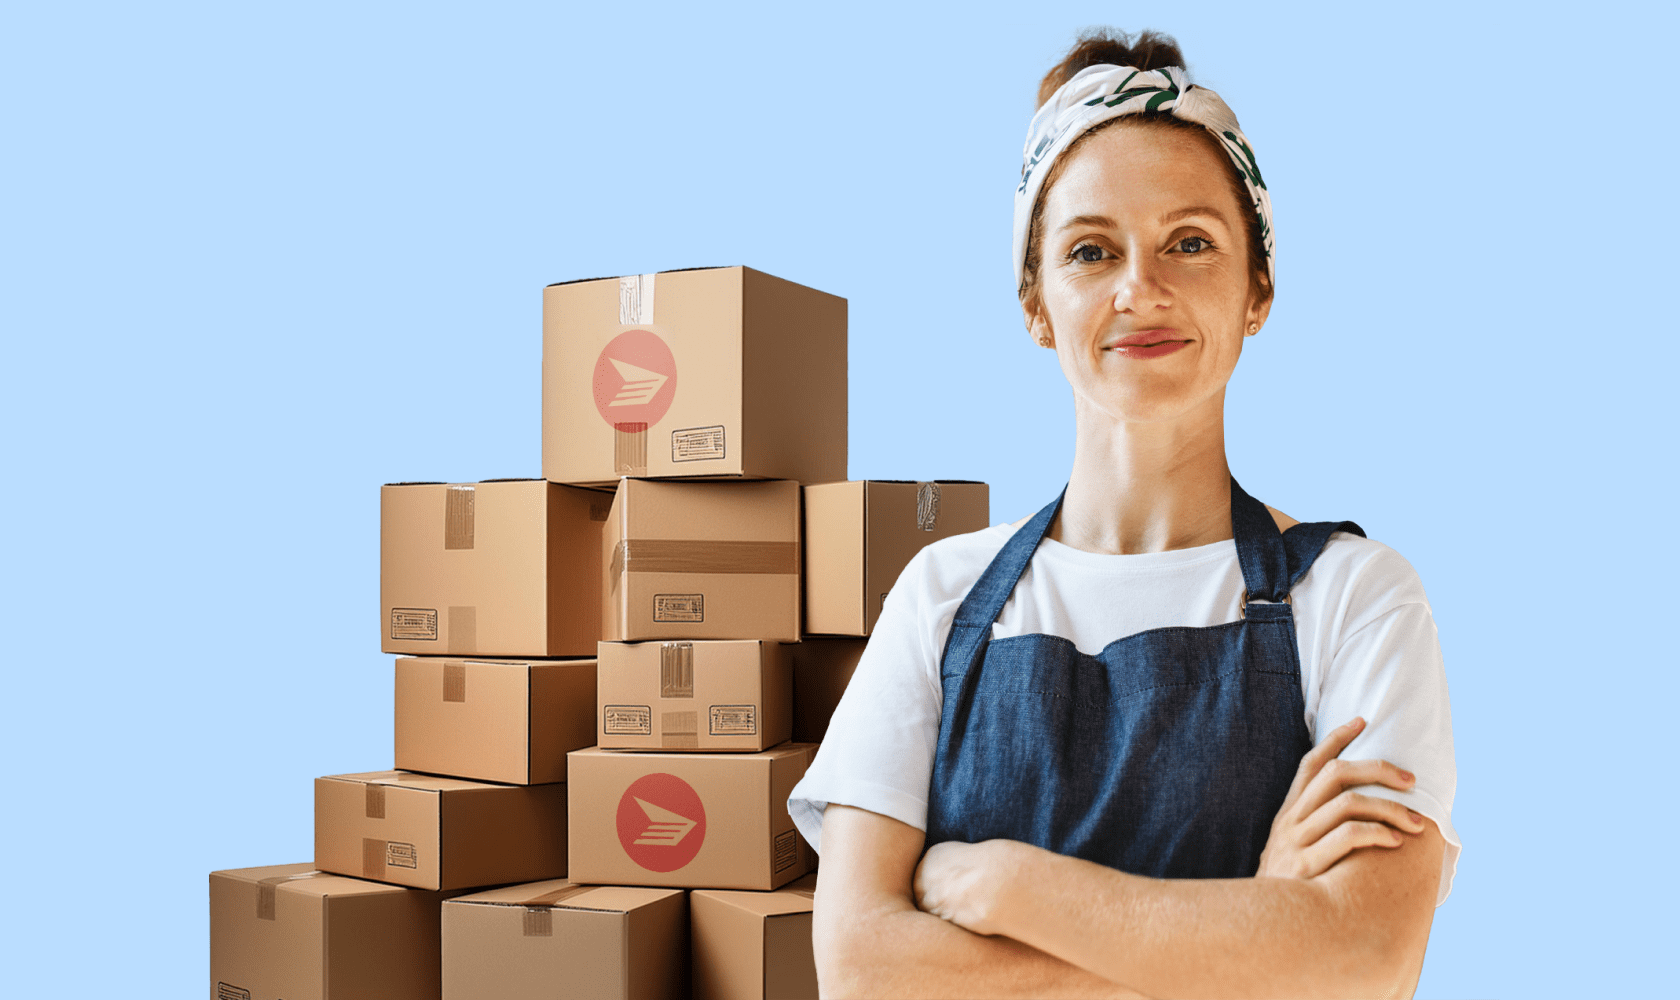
point(539, 912)
point(676, 670)
point(373, 858)
point(662, 555)
point(455, 682)
point(266, 892)
point(375, 801)
point(635, 299)
point(458, 517)
point(630, 449)
point(463, 629)
point(927, 506)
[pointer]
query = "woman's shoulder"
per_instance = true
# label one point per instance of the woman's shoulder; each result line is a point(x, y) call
point(1361, 577)
point(947, 568)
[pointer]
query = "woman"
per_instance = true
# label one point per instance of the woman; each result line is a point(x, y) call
point(1095, 753)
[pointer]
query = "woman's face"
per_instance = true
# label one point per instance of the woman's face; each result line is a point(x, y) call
point(1144, 285)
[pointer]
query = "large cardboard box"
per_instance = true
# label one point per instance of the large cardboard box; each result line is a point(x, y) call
point(705, 695)
point(701, 561)
point(751, 945)
point(860, 535)
point(686, 820)
point(289, 932)
point(511, 721)
point(555, 939)
point(708, 372)
point(498, 568)
point(439, 833)
point(821, 670)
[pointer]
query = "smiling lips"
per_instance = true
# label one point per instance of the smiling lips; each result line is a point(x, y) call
point(1148, 344)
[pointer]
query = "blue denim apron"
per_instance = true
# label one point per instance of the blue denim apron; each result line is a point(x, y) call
point(1167, 754)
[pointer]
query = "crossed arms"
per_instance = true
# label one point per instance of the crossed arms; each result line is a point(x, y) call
point(1007, 919)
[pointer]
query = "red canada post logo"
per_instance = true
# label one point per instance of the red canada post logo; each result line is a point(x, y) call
point(635, 379)
point(661, 822)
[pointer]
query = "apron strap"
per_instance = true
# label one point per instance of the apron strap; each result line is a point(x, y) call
point(1260, 549)
point(972, 626)
point(1306, 540)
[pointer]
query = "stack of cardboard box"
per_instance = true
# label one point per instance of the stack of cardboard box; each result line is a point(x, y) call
point(610, 678)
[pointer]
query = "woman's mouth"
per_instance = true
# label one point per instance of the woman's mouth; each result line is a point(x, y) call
point(1149, 344)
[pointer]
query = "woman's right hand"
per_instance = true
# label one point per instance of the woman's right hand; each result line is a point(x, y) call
point(1323, 820)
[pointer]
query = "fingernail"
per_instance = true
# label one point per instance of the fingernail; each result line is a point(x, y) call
point(1409, 776)
point(1415, 817)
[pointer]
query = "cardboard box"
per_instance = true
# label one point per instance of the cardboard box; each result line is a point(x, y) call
point(686, 820)
point(701, 561)
point(289, 932)
point(717, 695)
point(754, 944)
point(511, 721)
point(721, 371)
point(499, 568)
point(439, 833)
point(821, 670)
point(860, 535)
point(556, 939)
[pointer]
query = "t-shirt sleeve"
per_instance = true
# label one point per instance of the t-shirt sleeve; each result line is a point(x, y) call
point(1387, 668)
point(878, 752)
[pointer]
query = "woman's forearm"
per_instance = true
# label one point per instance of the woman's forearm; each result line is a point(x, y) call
point(1358, 930)
point(907, 953)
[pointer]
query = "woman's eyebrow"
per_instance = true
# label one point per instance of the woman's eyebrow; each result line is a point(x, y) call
point(1185, 213)
point(1104, 222)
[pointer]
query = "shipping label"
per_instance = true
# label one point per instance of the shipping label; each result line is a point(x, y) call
point(697, 444)
point(679, 607)
point(414, 623)
point(627, 720)
point(734, 720)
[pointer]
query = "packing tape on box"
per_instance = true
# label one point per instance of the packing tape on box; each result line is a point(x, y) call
point(927, 506)
point(539, 912)
point(458, 517)
point(630, 449)
point(663, 555)
point(463, 629)
point(676, 670)
point(455, 682)
point(374, 803)
point(266, 892)
point(635, 299)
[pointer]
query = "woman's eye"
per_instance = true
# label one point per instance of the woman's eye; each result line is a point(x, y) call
point(1089, 253)
point(1193, 244)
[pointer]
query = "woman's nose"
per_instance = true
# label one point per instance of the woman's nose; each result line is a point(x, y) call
point(1140, 287)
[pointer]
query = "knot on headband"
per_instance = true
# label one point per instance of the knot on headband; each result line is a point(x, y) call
point(1097, 93)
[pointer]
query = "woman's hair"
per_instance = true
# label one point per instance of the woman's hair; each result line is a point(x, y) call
point(1149, 50)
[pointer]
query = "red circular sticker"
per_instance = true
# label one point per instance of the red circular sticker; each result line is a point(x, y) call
point(661, 823)
point(635, 379)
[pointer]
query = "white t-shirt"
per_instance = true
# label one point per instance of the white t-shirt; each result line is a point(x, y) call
point(1367, 643)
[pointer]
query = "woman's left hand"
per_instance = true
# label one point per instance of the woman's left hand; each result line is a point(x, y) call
point(963, 883)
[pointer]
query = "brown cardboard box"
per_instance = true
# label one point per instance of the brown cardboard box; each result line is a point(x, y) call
point(556, 939)
point(499, 568)
point(289, 932)
point(718, 695)
point(701, 561)
point(821, 670)
point(511, 721)
point(686, 820)
point(439, 833)
point(722, 371)
point(860, 535)
point(754, 944)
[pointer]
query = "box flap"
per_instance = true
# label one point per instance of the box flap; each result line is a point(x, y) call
point(408, 779)
point(563, 894)
point(795, 897)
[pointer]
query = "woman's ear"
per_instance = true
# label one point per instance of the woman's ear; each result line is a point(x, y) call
point(1258, 309)
point(1038, 324)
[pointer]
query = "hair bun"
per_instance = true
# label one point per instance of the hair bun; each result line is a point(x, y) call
point(1096, 46)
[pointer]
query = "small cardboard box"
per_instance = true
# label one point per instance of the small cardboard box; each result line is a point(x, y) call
point(439, 833)
point(557, 939)
point(821, 670)
point(701, 561)
point(721, 371)
point(717, 695)
point(511, 721)
point(289, 932)
point(498, 568)
point(754, 944)
point(687, 820)
point(860, 535)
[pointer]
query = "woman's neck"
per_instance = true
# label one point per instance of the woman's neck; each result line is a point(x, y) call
point(1147, 487)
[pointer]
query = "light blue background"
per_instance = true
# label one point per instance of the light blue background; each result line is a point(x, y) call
point(258, 261)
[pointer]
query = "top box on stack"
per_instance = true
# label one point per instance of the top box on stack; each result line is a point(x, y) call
point(710, 372)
